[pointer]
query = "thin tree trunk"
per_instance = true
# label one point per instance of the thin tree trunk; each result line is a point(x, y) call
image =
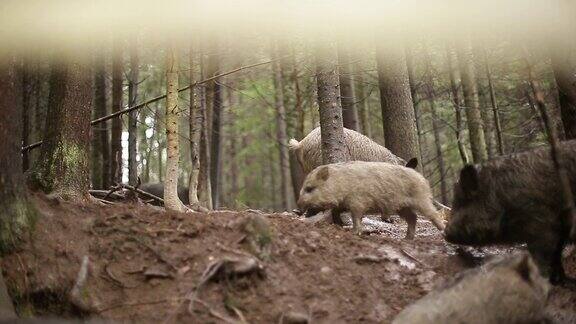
point(454, 89)
point(296, 171)
point(564, 67)
point(63, 168)
point(28, 75)
point(160, 146)
point(204, 185)
point(483, 99)
point(430, 93)
point(395, 100)
point(215, 96)
point(347, 97)
point(362, 98)
point(494, 104)
point(100, 143)
point(171, 199)
point(331, 125)
point(471, 101)
point(196, 122)
point(17, 211)
point(116, 140)
point(281, 132)
point(415, 102)
point(133, 116)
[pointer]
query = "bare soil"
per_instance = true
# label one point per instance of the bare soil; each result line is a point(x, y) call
point(146, 265)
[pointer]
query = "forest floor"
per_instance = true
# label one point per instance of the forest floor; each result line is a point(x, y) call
point(146, 265)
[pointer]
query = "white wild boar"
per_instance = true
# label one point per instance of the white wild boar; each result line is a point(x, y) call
point(365, 187)
point(506, 290)
point(361, 148)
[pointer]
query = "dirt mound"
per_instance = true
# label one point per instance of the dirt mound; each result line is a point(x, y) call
point(142, 264)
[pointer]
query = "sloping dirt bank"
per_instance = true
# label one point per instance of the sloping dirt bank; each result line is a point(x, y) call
point(134, 263)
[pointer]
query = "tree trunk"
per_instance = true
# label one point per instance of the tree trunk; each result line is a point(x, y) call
point(471, 101)
point(363, 103)
point(415, 102)
point(331, 125)
point(395, 100)
point(204, 183)
point(430, 93)
point(171, 199)
point(564, 67)
point(16, 212)
point(133, 116)
point(483, 99)
point(116, 138)
point(494, 104)
point(347, 97)
point(296, 171)
point(28, 75)
point(215, 89)
point(455, 91)
point(63, 167)
point(281, 132)
point(101, 162)
point(196, 121)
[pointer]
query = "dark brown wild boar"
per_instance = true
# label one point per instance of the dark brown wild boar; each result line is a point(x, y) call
point(507, 290)
point(515, 199)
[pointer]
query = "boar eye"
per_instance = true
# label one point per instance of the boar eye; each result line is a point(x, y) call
point(309, 189)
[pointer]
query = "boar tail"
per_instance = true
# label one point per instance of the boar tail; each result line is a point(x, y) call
point(293, 145)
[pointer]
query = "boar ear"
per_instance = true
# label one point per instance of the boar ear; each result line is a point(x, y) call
point(469, 179)
point(323, 173)
point(413, 163)
point(524, 266)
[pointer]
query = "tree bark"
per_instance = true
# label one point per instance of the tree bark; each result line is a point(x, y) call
point(28, 74)
point(196, 122)
point(63, 167)
point(281, 131)
point(331, 125)
point(363, 103)
point(564, 67)
point(133, 115)
point(116, 138)
point(494, 104)
point(215, 89)
point(101, 162)
point(347, 97)
point(431, 94)
point(296, 171)
point(395, 100)
point(415, 102)
point(454, 89)
point(171, 199)
point(471, 101)
point(16, 211)
point(484, 99)
point(204, 183)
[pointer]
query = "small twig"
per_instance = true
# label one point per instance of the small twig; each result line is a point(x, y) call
point(215, 313)
point(411, 257)
point(153, 302)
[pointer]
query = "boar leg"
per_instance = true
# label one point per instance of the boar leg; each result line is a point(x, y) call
point(385, 218)
point(410, 218)
point(547, 252)
point(428, 211)
point(357, 220)
point(336, 217)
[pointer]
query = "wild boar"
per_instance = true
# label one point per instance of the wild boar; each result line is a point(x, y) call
point(515, 199)
point(362, 187)
point(361, 148)
point(506, 290)
point(157, 189)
